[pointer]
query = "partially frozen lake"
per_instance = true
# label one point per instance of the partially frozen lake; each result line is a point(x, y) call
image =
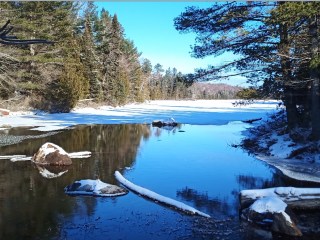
point(194, 164)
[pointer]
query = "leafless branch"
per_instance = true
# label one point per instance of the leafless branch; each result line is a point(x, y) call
point(13, 40)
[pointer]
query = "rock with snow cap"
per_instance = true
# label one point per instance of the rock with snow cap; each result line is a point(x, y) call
point(94, 188)
point(271, 212)
point(51, 154)
point(163, 123)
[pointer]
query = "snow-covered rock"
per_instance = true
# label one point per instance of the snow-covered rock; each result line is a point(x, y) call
point(94, 188)
point(271, 212)
point(51, 154)
point(167, 122)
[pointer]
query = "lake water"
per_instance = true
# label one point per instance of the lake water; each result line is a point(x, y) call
point(194, 164)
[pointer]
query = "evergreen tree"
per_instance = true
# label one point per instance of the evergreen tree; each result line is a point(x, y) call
point(89, 55)
point(269, 39)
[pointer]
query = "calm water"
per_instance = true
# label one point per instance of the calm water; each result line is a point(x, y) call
point(193, 164)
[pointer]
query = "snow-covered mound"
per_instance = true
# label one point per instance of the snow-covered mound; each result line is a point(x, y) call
point(94, 188)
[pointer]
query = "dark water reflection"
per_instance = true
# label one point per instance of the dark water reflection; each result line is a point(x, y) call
point(193, 164)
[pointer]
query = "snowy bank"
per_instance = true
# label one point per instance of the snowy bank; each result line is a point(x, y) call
point(303, 198)
point(185, 112)
point(298, 159)
point(157, 197)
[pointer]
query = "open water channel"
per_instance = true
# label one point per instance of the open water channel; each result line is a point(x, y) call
point(194, 164)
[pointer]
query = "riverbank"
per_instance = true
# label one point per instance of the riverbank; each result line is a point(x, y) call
point(294, 156)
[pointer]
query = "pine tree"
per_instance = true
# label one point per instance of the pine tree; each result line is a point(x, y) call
point(89, 55)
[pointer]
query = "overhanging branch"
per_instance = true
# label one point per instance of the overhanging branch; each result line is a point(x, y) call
point(13, 40)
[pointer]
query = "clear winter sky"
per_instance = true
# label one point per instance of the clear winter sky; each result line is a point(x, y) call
point(150, 26)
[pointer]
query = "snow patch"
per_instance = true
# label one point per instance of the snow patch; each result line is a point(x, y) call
point(268, 204)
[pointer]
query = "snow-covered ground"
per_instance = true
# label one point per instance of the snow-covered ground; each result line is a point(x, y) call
point(188, 112)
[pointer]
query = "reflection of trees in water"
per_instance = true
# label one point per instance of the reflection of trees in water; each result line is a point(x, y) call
point(32, 205)
point(203, 201)
point(252, 182)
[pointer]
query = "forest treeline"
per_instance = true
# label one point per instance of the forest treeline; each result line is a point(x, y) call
point(276, 44)
point(91, 58)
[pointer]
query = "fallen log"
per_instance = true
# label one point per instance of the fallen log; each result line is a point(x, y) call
point(157, 197)
point(252, 120)
point(296, 198)
point(8, 157)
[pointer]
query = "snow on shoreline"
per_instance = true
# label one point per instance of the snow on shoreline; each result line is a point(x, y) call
point(199, 112)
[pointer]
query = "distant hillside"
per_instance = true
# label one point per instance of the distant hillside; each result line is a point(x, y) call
point(214, 91)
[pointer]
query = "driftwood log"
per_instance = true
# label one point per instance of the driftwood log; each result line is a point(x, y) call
point(296, 198)
point(252, 120)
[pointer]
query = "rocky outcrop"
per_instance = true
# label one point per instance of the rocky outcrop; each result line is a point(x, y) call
point(282, 224)
point(51, 154)
point(273, 214)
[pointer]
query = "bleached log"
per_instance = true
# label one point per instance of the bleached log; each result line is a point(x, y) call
point(252, 120)
point(83, 154)
point(298, 198)
point(19, 159)
point(11, 156)
point(157, 197)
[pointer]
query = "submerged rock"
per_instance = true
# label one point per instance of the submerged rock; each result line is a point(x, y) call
point(51, 154)
point(94, 188)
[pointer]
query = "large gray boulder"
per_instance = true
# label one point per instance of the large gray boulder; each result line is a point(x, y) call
point(51, 154)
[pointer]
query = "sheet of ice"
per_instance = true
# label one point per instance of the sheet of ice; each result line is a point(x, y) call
point(293, 168)
point(157, 197)
point(186, 112)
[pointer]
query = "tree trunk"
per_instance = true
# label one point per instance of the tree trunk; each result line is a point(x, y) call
point(314, 77)
point(289, 98)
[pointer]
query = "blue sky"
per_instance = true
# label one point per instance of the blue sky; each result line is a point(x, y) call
point(150, 26)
